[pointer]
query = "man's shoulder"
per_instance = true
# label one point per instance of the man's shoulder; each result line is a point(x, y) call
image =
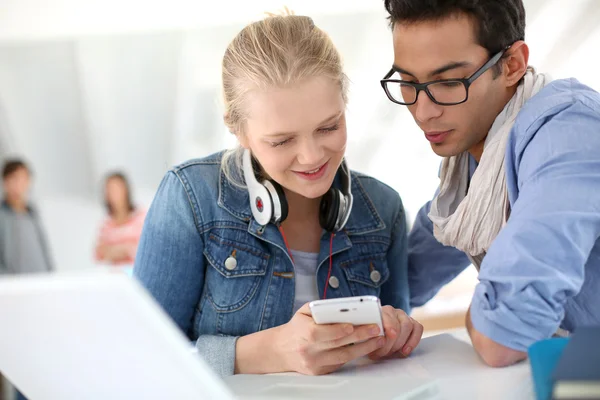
point(558, 97)
point(560, 121)
point(5, 211)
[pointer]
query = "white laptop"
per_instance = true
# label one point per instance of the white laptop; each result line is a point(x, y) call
point(96, 335)
point(99, 335)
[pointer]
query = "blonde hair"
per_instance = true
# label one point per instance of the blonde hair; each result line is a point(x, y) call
point(277, 51)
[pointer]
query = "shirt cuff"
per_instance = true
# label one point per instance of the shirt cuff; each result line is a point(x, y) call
point(514, 323)
point(218, 352)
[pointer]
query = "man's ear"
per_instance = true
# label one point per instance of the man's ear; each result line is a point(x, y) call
point(515, 63)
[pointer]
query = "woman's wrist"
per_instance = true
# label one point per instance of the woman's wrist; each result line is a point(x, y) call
point(258, 353)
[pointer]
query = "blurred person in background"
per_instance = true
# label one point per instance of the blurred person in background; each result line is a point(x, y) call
point(120, 233)
point(519, 193)
point(23, 244)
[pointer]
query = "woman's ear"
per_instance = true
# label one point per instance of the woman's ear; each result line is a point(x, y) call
point(241, 137)
point(229, 123)
point(516, 62)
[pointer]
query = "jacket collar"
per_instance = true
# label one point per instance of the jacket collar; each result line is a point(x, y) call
point(363, 218)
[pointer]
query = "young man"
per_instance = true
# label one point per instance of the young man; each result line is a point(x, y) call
point(23, 246)
point(519, 193)
point(22, 242)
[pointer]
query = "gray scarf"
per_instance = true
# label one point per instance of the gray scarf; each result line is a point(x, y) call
point(470, 221)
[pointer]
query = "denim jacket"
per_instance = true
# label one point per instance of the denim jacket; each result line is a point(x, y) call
point(198, 221)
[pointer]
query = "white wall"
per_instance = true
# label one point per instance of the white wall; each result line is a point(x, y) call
point(40, 96)
point(90, 86)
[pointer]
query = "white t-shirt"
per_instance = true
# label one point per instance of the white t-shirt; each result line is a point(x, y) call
point(305, 271)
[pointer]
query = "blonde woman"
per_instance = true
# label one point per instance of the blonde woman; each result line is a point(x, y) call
point(235, 244)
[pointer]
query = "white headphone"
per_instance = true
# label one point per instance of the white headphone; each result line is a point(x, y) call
point(268, 202)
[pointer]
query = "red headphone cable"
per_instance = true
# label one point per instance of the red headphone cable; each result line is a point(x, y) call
point(330, 257)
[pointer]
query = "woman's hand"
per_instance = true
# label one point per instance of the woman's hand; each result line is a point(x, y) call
point(112, 253)
point(402, 334)
point(100, 252)
point(313, 349)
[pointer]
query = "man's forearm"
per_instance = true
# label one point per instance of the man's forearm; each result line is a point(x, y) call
point(492, 353)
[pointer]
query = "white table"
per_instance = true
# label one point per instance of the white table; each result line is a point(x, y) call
point(447, 361)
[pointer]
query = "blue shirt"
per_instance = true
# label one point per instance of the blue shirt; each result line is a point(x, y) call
point(542, 271)
point(220, 275)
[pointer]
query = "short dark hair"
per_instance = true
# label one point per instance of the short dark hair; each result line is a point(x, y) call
point(499, 23)
point(11, 166)
point(121, 176)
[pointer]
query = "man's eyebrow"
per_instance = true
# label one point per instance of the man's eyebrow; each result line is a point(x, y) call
point(438, 71)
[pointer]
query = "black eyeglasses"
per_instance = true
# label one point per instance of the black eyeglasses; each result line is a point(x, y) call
point(445, 92)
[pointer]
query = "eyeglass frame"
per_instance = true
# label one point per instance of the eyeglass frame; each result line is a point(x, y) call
point(467, 82)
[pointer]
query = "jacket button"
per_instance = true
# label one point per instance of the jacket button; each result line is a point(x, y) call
point(230, 263)
point(334, 282)
point(375, 276)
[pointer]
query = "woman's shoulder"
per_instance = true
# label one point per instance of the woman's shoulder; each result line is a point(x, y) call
point(209, 165)
point(198, 183)
point(136, 217)
point(374, 186)
point(383, 197)
point(106, 224)
point(199, 173)
point(139, 214)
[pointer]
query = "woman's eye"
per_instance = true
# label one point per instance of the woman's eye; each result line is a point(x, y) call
point(277, 144)
point(330, 129)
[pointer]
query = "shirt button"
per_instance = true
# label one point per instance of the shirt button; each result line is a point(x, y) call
point(230, 263)
point(334, 282)
point(375, 276)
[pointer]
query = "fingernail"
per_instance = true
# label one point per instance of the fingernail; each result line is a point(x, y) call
point(407, 350)
point(380, 342)
point(393, 332)
point(348, 329)
point(374, 330)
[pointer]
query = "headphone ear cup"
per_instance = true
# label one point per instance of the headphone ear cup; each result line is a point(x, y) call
point(261, 203)
point(282, 201)
point(329, 210)
point(280, 205)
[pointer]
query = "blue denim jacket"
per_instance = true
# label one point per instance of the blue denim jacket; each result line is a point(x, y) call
point(198, 220)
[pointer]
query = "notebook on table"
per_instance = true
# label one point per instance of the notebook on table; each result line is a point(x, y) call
point(577, 374)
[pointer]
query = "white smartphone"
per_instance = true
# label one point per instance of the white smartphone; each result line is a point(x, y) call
point(358, 310)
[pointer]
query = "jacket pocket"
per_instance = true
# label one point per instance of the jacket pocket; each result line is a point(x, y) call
point(366, 274)
point(236, 272)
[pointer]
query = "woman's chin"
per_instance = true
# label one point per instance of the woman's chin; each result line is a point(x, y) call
point(313, 193)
